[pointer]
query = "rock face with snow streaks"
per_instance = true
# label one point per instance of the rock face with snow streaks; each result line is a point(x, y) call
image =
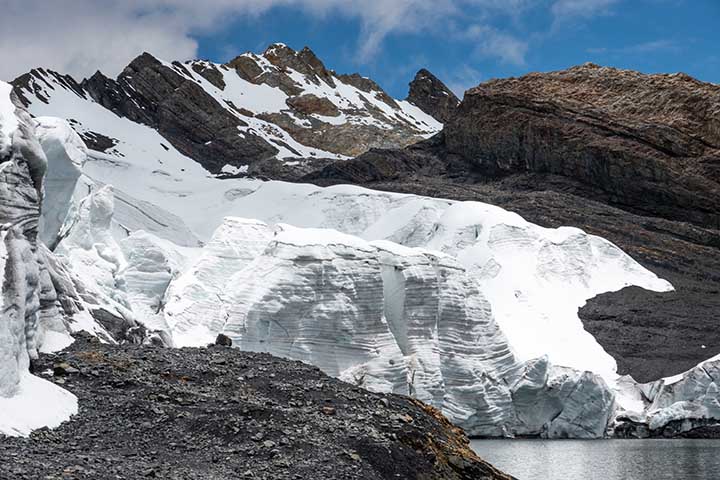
point(259, 111)
point(432, 96)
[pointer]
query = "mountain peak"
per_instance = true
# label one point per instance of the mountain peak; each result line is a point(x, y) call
point(143, 60)
point(432, 96)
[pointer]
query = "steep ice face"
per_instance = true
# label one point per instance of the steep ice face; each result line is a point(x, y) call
point(26, 402)
point(8, 121)
point(317, 296)
point(456, 357)
point(380, 315)
point(100, 267)
point(193, 299)
point(66, 155)
point(673, 405)
point(150, 265)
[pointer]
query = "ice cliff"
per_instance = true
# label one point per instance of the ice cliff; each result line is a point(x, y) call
point(27, 293)
point(418, 321)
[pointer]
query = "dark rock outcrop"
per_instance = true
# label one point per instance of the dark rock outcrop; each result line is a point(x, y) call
point(222, 413)
point(650, 143)
point(154, 94)
point(191, 105)
point(432, 96)
point(630, 157)
point(210, 73)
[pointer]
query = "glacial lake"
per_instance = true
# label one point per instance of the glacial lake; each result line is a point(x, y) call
point(603, 459)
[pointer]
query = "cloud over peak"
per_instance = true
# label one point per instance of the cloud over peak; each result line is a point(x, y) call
point(81, 36)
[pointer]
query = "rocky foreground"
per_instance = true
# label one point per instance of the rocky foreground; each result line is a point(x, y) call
point(219, 413)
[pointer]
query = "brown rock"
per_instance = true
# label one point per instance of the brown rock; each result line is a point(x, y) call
point(309, 104)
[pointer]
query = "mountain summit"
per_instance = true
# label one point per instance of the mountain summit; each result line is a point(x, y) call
point(432, 96)
point(248, 114)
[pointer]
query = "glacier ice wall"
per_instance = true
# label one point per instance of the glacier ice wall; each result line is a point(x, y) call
point(380, 315)
point(671, 406)
point(26, 402)
point(68, 153)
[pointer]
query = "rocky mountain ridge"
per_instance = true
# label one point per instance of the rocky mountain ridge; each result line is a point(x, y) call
point(246, 115)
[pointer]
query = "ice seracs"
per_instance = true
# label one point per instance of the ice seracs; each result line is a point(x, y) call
point(672, 406)
point(195, 303)
point(404, 319)
point(26, 401)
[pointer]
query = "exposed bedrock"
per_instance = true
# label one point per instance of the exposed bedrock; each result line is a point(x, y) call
point(154, 94)
point(432, 96)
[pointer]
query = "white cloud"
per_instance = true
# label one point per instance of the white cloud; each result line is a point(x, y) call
point(493, 43)
point(80, 36)
point(564, 10)
point(654, 46)
point(462, 79)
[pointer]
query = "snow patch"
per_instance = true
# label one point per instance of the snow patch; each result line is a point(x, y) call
point(37, 403)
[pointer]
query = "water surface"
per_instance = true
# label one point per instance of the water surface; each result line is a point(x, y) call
point(604, 459)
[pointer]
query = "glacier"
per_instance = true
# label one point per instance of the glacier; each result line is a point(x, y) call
point(463, 305)
point(26, 401)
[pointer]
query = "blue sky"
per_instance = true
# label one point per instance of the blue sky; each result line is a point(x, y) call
point(463, 42)
point(646, 35)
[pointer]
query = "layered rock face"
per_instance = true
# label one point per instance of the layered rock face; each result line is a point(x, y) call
point(252, 115)
point(626, 156)
point(626, 134)
point(432, 96)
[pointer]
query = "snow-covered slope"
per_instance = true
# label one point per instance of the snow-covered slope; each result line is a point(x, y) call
point(236, 117)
